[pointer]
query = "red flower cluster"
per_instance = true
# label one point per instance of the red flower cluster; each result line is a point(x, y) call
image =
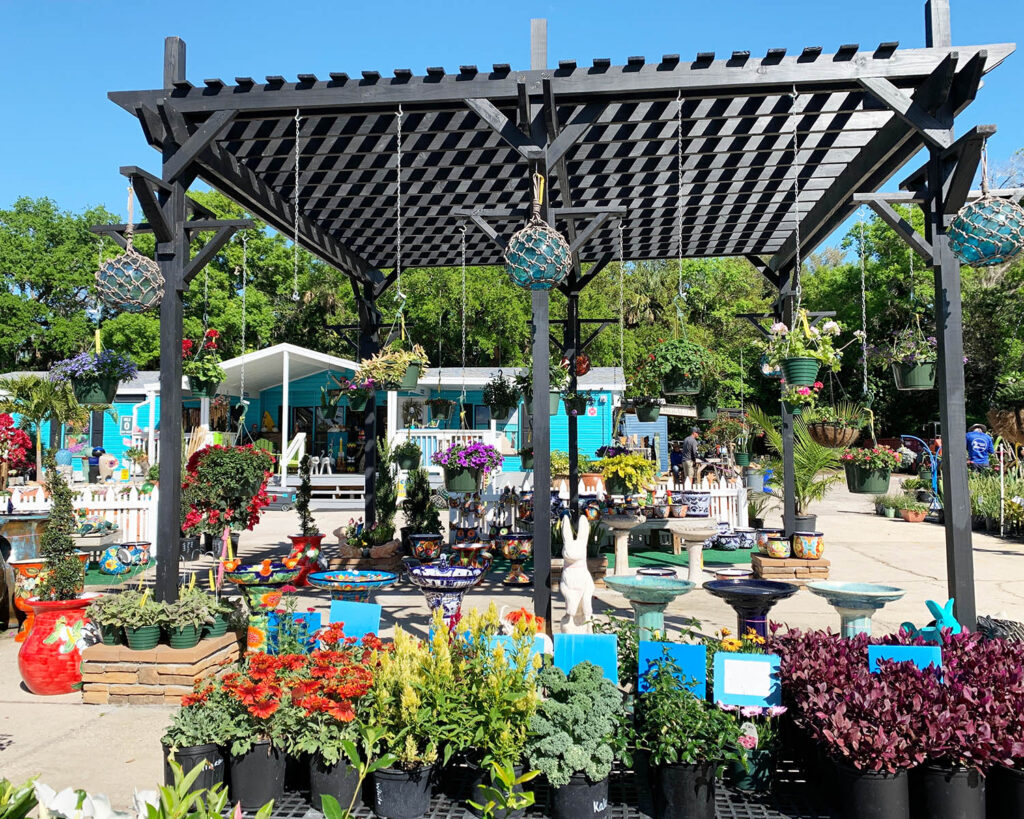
point(218, 473)
point(14, 443)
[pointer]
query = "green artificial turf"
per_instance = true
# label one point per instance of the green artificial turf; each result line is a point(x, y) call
point(94, 577)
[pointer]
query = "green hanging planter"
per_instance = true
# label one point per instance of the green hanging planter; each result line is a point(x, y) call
point(678, 383)
point(863, 481)
point(462, 480)
point(408, 462)
point(500, 413)
point(553, 399)
point(794, 409)
point(358, 404)
point(442, 412)
point(527, 461)
point(648, 413)
point(800, 372)
point(706, 412)
point(202, 389)
point(411, 377)
point(184, 636)
point(742, 458)
point(914, 376)
point(94, 390)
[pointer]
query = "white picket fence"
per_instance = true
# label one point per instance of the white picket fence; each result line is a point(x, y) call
point(133, 512)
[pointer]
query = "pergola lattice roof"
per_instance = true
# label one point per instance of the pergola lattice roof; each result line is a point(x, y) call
point(616, 129)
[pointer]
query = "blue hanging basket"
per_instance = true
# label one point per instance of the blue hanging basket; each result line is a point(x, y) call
point(987, 232)
point(537, 257)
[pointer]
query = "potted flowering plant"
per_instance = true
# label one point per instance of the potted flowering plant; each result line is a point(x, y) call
point(358, 392)
point(440, 408)
point(868, 470)
point(624, 474)
point(798, 397)
point(194, 739)
point(912, 358)
point(688, 740)
point(683, 365)
point(501, 395)
point(802, 349)
point(201, 363)
point(466, 464)
point(307, 543)
point(576, 403)
point(14, 448)
point(94, 376)
point(400, 366)
point(643, 390)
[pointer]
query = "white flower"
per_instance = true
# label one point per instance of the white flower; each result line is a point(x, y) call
point(815, 333)
point(831, 328)
point(860, 335)
point(779, 329)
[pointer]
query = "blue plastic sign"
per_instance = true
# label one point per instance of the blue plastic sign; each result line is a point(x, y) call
point(599, 649)
point(360, 619)
point(747, 679)
point(692, 662)
point(921, 656)
point(508, 643)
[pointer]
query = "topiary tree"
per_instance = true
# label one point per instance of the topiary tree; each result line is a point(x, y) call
point(385, 492)
point(63, 579)
point(307, 526)
point(421, 515)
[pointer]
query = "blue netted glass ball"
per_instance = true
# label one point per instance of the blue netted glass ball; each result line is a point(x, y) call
point(987, 232)
point(130, 282)
point(537, 257)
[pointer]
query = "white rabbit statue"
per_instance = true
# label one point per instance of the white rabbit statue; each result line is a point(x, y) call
point(576, 584)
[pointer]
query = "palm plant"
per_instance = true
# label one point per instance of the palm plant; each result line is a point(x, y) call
point(816, 467)
point(37, 400)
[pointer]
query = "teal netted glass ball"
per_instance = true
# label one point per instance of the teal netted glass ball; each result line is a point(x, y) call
point(537, 257)
point(987, 232)
point(130, 282)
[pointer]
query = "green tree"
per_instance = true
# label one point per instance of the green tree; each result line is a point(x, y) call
point(37, 400)
point(63, 580)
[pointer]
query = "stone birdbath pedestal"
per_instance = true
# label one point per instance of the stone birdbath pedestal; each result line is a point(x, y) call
point(855, 602)
point(621, 526)
point(694, 533)
point(751, 600)
point(354, 586)
point(649, 596)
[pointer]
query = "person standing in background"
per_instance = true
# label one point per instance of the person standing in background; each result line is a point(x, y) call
point(690, 455)
point(979, 447)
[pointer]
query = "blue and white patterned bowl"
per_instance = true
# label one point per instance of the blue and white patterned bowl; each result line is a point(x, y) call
point(698, 503)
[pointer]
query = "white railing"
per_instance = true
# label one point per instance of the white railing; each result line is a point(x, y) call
point(433, 440)
point(133, 512)
point(295, 450)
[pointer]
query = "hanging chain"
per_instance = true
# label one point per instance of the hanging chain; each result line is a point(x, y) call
point(462, 228)
point(798, 290)
point(984, 168)
point(245, 278)
point(680, 299)
point(398, 210)
point(129, 229)
point(913, 298)
point(295, 208)
point(206, 299)
point(622, 303)
point(863, 308)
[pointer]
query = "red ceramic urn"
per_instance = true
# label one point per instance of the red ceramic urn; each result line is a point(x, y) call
point(50, 659)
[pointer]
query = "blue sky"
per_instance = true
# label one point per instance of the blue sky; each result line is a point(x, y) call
point(62, 138)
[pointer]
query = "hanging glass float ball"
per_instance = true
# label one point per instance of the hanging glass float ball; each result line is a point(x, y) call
point(130, 282)
point(987, 232)
point(537, 257)
point(767, 370)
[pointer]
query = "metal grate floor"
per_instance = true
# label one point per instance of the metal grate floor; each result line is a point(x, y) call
point(630, 798)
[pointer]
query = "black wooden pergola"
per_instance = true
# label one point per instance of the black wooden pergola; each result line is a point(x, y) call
point(605, 138)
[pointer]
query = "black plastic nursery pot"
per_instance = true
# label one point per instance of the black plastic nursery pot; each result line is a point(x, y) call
point(942, 792)
point(340, 780)
point(807, 523)
point(400, 794)
point(871, 794)
point(1004, 792)
point(684, 790)
point(210, 757)
point(479, 778)
point(257, 776)
point(580, 799)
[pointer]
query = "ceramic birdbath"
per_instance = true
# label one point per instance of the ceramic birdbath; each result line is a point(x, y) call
point(473, 556)
point(621, 526)
point(354, 586)
point(649, 596)
point(693, 533)
point(443, 585)
point(855, 602)
point(751, 600)
point(261, 585)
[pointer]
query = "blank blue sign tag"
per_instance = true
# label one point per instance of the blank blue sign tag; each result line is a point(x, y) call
point(692, 662)
point(599, 649)
point(747, 679)
point(921, 656)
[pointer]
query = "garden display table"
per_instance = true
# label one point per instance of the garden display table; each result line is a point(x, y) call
point(621, 526)
point(856, 603)
point(354, 586)
point(693, 533)
point(649, 596)
point(751, 600)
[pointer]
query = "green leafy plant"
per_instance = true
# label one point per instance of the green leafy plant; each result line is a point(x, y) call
point(843, 414)
point(421, 515)
point(365, 762)
point(501, 392)
point(580, 725)
point(180, 801)
point(676, 727)
point(16, 801)
point(814, 465)
point(386, 489)
point(140, 610)
point(635, 470)
point(407, 449)
point(201, 360)
point(501, 796)
point(63, 578)
point(685, 358)
point(194, 607)
point(203, 720)
point(559, 464)
point(307, 526)
point(911, 505)
point(388, 367)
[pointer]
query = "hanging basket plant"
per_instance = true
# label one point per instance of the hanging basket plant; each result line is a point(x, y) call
point(683, 365)
point(800, 351)
point(836, 426)
point(358, 392)
point(576, 403)
point(798, 397)
point(987, 232)
point(441, 408)
point(94, 377)
point(201, 363)
point(401, 366)
point(466, 465)
point(643, 390)
point(911, 356)
point(868, 470)
point(501, 395)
